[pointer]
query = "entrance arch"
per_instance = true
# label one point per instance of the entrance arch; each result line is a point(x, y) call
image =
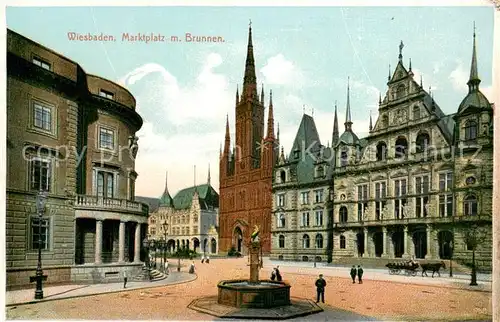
point(171, 245)
point(360, 241)
point(238, 239)
point(196, 244)
point(378, 241)
point(445, 240)
point(420, 243)
point(205, 245)
point(398, 243)
point(214, 246)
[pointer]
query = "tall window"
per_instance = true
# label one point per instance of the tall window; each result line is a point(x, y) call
point(416, 112)
point(470, 205)
point(304, 196)
point(381, 151)
point(318, 196)
point(39, 62)
point(401, 148)
point(343, 214)
point(40, 174)
point(470, 130)
point(319, 218)
point(105, 184)
point(445, 197)
point(281, 221)
point(319, 241)
point(422, 142)
point(380, 195)
point(305, 241)
point(131, 188)
point(305, 219)
point(281, 241)
point(344, 161)
point(281, 200)
point(38, 231)
point(283, 176)
point(362, 201)
point(106, 139)
point(400, 198)
point(342, 242)
point(42, 117)
point(421, 202)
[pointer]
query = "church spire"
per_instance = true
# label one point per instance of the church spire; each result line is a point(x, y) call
point(348, 121)
point(208, 179)
point(237, 94)
point(228, 138)
point(250, 80)
point(335, 134)
point(474, 80)
point(270, 117)
point(166, 184)
point(370, 128)
point(262, 95)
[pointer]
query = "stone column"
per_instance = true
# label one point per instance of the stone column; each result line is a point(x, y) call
point(428, 255)
point(365, 241)
point(137, 243)
point(98, 241)
point(385, 251)
point(405, 242)
point(254, 262)
point(121, 242)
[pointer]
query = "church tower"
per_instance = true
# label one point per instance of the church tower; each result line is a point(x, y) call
point(246, 167)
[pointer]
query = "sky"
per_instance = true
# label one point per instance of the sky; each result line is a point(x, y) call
point(304, 54)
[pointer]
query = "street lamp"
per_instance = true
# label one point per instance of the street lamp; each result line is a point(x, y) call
point(145, 244)
point(41, 199)
point(451, 258)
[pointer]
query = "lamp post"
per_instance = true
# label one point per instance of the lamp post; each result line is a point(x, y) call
point(145, 244)
point(451, 258)
point(41, 199)
point(165, 229)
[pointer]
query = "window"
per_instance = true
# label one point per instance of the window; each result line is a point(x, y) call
point(422, 142)
point(422, 202)
point(343, 214)
point(40, 178)
point(305, 219)
point(152, 231)
point(281, 221)
point(381, 151)
point(400, 198)
point(283, 176)
point(39, 62)
point(40, 229)
point(106, 139)
point(281, 241)
point(401, 148)
point(318, 196)
point(106, 94)
point(470, 130)
point(362, 201)
point(445, 183)
point(416, 112)
point(105, 184)
point(304, 196)
point(319, 241)
point(281, 200)
point(131, 189)
point(342, 242)
point(305, 241)
point(319, 218)
point(380, 195)
point(42, 117)
point(344, 160)
point(320, 171)
point(470, 205)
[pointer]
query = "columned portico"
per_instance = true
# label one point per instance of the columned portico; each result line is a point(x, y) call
point(365, 241)
point(385, 251)
point(98, 242)
point(405, 242)
point(428, 255)
point(121, 242)
point(137, 243)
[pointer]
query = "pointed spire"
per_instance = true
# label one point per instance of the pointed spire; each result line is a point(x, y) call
point(379, 98)
point(227, 141)
point(348, 121)
point(370, 128)
point(262, 95)
point(166, 183)
point(474, 80)
point(335, 134)
point(250, 80)
point(278, 134)
point(410, 66)
point(194, 177)
point(401, 45)
point(389, 76)
point(421, 83)
point(208, 179)
point(237, 94)
point(270, 117)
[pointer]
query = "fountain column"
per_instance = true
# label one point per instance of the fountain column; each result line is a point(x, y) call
point(254, 261)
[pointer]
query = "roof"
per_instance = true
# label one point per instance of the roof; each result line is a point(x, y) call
point(307, 138)
point(349, 138)
point(207, 195)
point(166, 200)
point(447, 125)
point(475, 100)
point(153, 203)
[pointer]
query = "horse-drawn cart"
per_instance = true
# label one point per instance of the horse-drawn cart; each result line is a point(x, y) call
point(410, 268)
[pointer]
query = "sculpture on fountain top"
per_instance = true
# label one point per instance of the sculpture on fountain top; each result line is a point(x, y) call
point(255, 235)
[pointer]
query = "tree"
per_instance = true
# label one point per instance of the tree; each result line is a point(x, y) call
point(473, 237)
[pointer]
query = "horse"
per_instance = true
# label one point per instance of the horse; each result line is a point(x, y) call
point(432, 266)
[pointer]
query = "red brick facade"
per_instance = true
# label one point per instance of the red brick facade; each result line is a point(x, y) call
point(246, 168)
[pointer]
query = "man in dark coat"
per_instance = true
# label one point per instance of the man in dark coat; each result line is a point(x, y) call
point(320, 288)
point(278, 274)
point(360, 274)
point(353, 274)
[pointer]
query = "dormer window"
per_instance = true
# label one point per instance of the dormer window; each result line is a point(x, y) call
point(470, 130)
point(39, 62)
point(344, 160)
point(283, 176)
point(106, 94)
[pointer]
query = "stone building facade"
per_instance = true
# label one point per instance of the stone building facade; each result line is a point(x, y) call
point(71, 135)
point(415, 185)
point(188, 220)
point(246, 168)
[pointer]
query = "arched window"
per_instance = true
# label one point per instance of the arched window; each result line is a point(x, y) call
point(342, 242)
point(422, 142)
point(470, 205)
point(470, 130)
point(400, 92)
point(416, 112)
point(282, 241)
point(401, 147)
point(281, 221)
point(343, 214)
point(344, 158)
point(305, 241)
point(319, 241)
point(283, 176)
point(381, 151)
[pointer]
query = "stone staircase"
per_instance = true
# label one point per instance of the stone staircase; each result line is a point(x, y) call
point(156, 275)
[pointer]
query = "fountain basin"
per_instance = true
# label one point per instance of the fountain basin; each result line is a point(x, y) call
point(245, 294)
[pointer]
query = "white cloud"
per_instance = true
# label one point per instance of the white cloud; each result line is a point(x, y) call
point(488, 92)
point(428, 80)
point(459, 77)
point(280, 71)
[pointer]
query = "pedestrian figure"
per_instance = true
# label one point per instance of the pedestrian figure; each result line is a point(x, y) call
point(166, 266)
point(278, 274)
point(208, 259)
point(273, 274)
point(360, 274)
point(125, 279)
point(320, 288)
point(202, 259)
point(191, 268)
point(353, 274)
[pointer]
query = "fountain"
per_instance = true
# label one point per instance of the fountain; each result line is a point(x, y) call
point(254, 293)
